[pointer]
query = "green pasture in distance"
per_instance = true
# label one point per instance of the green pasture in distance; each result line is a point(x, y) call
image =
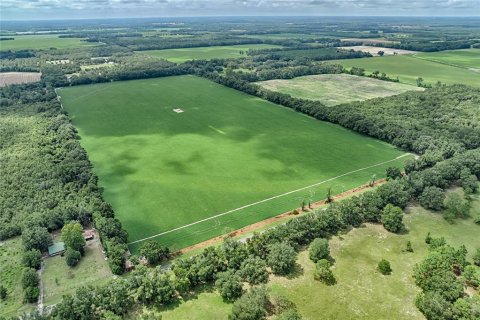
point(466, 58)
point(408, 68)
point(38, 42)
point(205, 53)
point(163, 170)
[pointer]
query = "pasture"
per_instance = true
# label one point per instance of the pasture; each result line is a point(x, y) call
point(229, 160)
point(206, 53)
point(374, 50)
point(7, 78)
point(408, 68)
point(332, 89)
point(39, 42)
point(467, 58)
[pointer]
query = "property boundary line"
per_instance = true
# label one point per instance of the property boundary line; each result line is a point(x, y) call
point(265, 200)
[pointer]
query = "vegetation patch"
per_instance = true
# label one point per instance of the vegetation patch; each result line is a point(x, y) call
point(332, 89)
point(466, 58)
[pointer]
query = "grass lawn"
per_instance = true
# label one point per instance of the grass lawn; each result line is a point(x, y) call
point(162, 170)
point(332, 89)
point(38, 42)
point(466, 58)
point(361, 292)
point(11, 276)
point(205, 53)
point(408, 68)
point(59, 279)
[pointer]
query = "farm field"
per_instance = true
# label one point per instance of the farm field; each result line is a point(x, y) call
point(361, 292)
point(205, 53)
point(408, 68)
point(468, 58)
point(374, 50)
point(332, 89)
point(219, 160)
point(7, 78)
point(38, 42)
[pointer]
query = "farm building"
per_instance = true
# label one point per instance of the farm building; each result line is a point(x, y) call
point(56, 249)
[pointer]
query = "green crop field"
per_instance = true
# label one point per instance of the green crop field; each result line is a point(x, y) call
point(408, 68)
point(332, 89)
point(205, 53)
point(38, 42)
point(230, 158)
point(467, 58)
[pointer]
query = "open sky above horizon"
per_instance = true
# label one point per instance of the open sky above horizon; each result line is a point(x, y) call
point(80, 9)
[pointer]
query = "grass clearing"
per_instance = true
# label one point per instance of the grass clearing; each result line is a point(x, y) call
point(206, 53)
point(59, 279)
point(39, 42)
point(374, 50)
point(162, 170)
point(408, 68)
point(466, 58)
point(332, 89)
point(8, 78)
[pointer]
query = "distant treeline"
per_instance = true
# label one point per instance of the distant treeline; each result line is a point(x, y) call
point(4, 38)
point(429, 46)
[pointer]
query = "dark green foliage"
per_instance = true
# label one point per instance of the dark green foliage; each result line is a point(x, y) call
point(229, 285)
point(384, 267)
point(31, 294)
point(467, 308)
point(319, 249)
point(254, 270)
point(153, 252)
point(73, 238)
point(393, 173)
point(281, 258)
point(394, 193)
point(409, 247)
point(432, 198)
point(30, 278)
point(472, 276)
point(290, 314)
point(234, 252)
point(323, 273)
point(3, 292)
point(428, 238)
point(32, 259)
point(476, 258)
point(392, 218)
point(72, 257)
point(251, 306)
point(433, 306)
point(36, 238)
point(456, 207)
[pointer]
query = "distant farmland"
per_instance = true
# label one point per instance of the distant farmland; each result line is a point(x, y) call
point(205, 53)
point(7, 78)
point(228, 159)
point(408, 68)
point(468, 58)
point(38, 42)
point(332, 89)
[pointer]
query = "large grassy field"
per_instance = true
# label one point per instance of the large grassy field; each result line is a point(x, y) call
point(408, 68)
point(361, 292)
point(205, 53)
point(332, 89)
point(38, 42)
point(467, 58)
point(162, 170)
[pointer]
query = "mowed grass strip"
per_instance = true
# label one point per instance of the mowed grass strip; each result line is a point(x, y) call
point(206, 53)
point(408, 68)
point(38, 42)
point(162, 170)
point(332, 89)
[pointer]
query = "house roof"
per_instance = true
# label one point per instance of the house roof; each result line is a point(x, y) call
point(56, 248)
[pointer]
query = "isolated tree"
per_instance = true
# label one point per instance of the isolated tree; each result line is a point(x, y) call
point(36, 238)
point(229, 284)
point(323, 273)
point(381, 53)
point(319, 249)
point(251, 306)
point(3, 292)
point(476, 258)
point(428, 238)
point(254, 270)
point(329, 197)
point(393, 173)
point(392, 218)
point(456, 207)
point(72, 236)
point(31, 294)
point(72, 257)
point(153, 251)
point(32, 259)
point(384, 267)
point(409, 246)
point(281, 258)
point(432, 198)
point(420, 82)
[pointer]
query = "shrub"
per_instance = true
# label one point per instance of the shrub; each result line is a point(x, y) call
point(281, 258)
point(251, 306)
point(432, 198)
point(384, 267)
point(3, 292)
point(472, 276)
point(229, 285)
point(32, 259)
point(476, 258)
point(72, 257)
point(323, 273)
point(392, 218)
point(319, 249)
point(456, 207)
point(31, 294)
point(409, 246)
point(290, 314)
point(30, 278)
point(254, 270)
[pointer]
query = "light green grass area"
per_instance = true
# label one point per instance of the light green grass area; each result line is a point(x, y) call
point(162, 170)
point(97, 66)
point(332, 89)
point(38, 42)
point(408, 68)
point(11, 276)
point(59, 279)
point(361, 292)
point(206, 53)
point(467, 58)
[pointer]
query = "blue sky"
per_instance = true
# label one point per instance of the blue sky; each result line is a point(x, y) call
point(67, 9)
